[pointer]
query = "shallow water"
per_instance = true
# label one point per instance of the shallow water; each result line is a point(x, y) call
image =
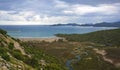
point(69, 62)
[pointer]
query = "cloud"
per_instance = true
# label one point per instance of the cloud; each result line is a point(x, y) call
point(106, 9)
point(26, 17)
point(43, 12)
point(58, 19)
point(60, 4)
point(8, 16)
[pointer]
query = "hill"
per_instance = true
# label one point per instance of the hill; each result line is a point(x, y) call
point(104, 24)
point(106, 37)
point(16, 55)
point(11, 53)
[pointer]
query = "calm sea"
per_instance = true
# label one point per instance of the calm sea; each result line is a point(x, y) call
point(47, 31)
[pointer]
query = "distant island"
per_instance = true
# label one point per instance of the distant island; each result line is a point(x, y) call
point(102, 24)
point(69, 24)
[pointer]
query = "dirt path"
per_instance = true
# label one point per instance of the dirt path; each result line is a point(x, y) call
point(103, 53)
point(17, 46)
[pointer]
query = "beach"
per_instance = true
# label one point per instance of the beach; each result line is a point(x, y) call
point(49, 39)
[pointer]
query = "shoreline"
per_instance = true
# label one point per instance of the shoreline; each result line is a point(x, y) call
point(39, 39)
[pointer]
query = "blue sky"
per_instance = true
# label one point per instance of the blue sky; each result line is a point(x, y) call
point(45, 12)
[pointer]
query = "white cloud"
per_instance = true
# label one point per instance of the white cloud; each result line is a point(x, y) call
point(29, 17)
point(57, 19)
point(19, 23)
point(60, 4)
point(9, 16)
point(42, 12)
point(106, 9)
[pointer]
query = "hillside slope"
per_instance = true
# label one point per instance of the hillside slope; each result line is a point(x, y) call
point(9, 50)
point(106, 37)
point(16, 55)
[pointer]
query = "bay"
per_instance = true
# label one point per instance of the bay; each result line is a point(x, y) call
point(37, 31)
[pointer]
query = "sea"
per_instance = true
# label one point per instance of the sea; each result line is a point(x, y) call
point(39, 31)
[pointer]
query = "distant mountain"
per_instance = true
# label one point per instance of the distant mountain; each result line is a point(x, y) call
point(69, 24)
point(104, 24)
point(87, 25)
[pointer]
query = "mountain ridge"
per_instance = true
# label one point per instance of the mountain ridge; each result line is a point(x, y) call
point(101, 24)
point(104, 24)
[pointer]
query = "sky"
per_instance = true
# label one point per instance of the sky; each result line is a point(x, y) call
point(48, 12)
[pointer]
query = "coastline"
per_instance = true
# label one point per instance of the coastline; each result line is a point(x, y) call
point(39, 39)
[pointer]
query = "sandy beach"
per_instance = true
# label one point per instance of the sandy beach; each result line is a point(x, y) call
point(50, 39)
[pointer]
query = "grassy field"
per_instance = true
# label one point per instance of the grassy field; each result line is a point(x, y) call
point(107, 40)
point(64, 51)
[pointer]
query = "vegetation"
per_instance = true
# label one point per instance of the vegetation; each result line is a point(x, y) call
point(11, 46)
point(3, 32)
point(113, 53)
point(65, 51)
point(108, 40)
point(92, 61)
point(36, 58)
point(106, 37)
point(50, 62)
point(54, 55)
point(17, 54)
point(3, 54)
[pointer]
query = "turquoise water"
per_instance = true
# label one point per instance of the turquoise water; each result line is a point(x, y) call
point(48, 31)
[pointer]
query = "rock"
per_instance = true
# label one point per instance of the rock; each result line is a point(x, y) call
point(42, 62)
point(8, 66)
point(4, 68)
point(19, 67)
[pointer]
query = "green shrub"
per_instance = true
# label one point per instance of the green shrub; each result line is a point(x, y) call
point(2, 50)
point(3, 54)
point(17, 54)
point(6, 57)
point(11, 46)
point(34, 62)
